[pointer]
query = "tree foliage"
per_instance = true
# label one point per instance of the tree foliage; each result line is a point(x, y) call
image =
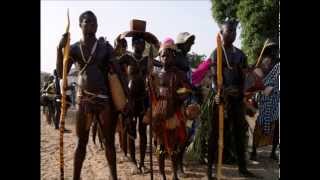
point(222, 9)
point(259, 20)
point(195, 59)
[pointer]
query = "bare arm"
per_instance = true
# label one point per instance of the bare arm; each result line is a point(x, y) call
point(59, 65)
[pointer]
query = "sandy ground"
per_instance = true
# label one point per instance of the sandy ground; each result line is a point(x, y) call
point(95, 166)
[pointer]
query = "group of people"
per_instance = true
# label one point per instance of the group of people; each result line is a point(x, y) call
point(159, 92)
point(50, 98)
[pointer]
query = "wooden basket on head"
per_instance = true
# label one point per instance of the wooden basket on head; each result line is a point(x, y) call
point(138, 25)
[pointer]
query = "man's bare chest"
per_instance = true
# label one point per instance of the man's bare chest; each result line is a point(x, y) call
point(99, 58)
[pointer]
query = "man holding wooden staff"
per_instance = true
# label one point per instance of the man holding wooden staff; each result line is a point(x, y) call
point(94, 100)
point(234, 62)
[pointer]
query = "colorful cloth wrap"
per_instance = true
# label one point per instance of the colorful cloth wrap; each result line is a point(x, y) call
point(199, 73)
point(174, 137)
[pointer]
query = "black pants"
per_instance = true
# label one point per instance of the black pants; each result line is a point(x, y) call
point(235, 121)
point(51, 111)
point(57, 114)
point(275, 139)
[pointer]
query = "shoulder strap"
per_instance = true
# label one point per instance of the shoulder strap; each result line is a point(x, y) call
point(90, 57)
point(226, 58)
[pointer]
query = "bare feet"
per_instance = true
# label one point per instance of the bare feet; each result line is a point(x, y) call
point(144, 170)
point(135, 170)
point(175, 178)
point(274, 156)
point(163, 177)
point(181, 172)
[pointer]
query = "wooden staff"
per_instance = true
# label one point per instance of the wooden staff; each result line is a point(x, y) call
point(260, 56)
point(220, 106)
point(63, 99)
point(150, 67)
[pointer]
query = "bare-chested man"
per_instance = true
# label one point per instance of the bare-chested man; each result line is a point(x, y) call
point(92, 58)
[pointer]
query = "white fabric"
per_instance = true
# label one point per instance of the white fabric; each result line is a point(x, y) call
point(68, 92)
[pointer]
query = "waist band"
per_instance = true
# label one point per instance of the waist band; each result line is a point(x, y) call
point(96, 95)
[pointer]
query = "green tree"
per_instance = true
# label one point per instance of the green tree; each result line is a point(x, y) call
point(259, 20)
point(195, 59)
point(222, 9)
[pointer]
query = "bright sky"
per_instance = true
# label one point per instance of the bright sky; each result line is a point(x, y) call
point(164, 19)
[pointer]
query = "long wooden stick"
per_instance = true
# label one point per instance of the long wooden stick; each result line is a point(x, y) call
point(150, 66)
point(63, 99)
point(260, 56)
point(220, 106)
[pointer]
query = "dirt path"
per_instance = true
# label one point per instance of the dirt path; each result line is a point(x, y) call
point(95, 166)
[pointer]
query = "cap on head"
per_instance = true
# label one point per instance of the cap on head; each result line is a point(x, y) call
point(167, 43)
point(184, 37)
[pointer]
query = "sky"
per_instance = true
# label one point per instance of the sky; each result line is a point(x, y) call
point(164, 19)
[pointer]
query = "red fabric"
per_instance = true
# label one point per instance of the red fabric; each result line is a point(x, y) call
point(179, 134)
point(181, 130)
point(257, 84)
